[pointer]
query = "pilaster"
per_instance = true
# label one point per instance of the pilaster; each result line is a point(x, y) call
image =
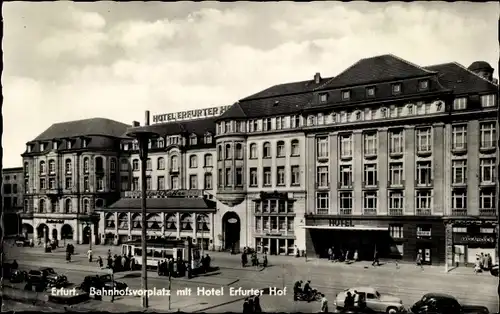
point(357, 167)
point(409, 170)
point(334, 169)
point(129, 217)
point(194, 216)
point(310, 174)
point(382, 171)
point(178, 218)
point(447, 170)
point(438, 168)
point(163, 223)
point(473, 134)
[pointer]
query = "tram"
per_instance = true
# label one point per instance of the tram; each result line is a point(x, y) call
point(160, 250)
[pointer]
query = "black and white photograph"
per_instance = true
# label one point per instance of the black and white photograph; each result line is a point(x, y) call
point(211, 157)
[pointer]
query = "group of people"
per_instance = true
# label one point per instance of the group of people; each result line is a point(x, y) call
point(70, 250)
point(171, 267)
point(308, 294)
point(342, 256)
point(254, 258)
point(252, 304)
point(483, 262)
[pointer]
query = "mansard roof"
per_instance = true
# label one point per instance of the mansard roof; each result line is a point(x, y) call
point(196, 126)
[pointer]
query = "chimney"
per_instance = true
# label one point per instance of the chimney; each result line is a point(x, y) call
point(146, 118)
point(135, 124)
point(317, 78)
point(495, 81)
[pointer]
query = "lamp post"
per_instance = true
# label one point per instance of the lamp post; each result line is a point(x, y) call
point(208, 169)
point(143, 136)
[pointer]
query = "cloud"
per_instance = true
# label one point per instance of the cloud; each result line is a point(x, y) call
point(113, 62)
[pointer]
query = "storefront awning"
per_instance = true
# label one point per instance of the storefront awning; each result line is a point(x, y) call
point(366, 228)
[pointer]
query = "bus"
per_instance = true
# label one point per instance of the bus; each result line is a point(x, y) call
point(160, 250)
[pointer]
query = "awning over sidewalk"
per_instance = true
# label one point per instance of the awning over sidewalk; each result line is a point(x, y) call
point(365, 228)
point(163, 204)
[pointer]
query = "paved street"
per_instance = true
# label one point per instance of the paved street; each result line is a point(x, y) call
point(407, 282)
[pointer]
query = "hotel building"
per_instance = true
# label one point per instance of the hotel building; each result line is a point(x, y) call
point(387, 156)
point(12, 198)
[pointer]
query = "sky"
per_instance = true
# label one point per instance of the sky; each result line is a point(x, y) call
point(67, 61)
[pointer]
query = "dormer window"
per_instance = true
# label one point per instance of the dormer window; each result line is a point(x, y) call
point(370, 91)
point(28, 148)
point(410, 109)
point(55, 145)
point(160, 142)
point(488, 101)
point(423, 85)
point(323, 97)
point(358, 115)
point(69, 144)
point(346, 95)
point(460, 103)
point(193, 139)
point(42, 147)
point(383, 112)
point(84, 143)
point(396, 89)
point(208, 138)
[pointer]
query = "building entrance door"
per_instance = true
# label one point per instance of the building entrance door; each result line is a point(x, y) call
point(426, 255)
point(273, 248)
point(231, 229)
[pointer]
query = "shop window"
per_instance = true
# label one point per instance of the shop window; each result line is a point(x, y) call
point(460, 229)
point(424, 232)
point(399, 248)
point(282, 206)
point(487, 230)
point(289, 207)
point(291, 246)
point(273, 206)
point(265, 206)
point(257, 207)
point(396, 231)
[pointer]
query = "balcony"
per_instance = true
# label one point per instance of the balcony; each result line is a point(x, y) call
point(322, 159)
point(345, 185)
point(396, 185)
point(396, 154)
point(487, 183)
point(459, 184)
point(424, 151)
point(487, 147)
point(459, 150)
point(231, 195)
point(424, 185)
point(322, 186)
point(53, 191)
point(370, 185)
point(487, 212)
point(345, 211)
point(459, 212)
point(369, 211)
point(173, 170)
point(424, 212)
point(345, 157)
point(395, 212)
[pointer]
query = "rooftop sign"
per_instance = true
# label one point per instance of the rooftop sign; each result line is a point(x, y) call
point(166, 194)
point(190, 114)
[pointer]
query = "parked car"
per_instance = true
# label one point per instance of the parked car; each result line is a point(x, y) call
point(375, 301)
point(22, 241)
point(47, 275)
point(444, 304)
point(18, 276)
point(101, 282)
point(494, 270)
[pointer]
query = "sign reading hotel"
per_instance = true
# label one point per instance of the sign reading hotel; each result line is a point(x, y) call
point(166, 194)
point(190, 114)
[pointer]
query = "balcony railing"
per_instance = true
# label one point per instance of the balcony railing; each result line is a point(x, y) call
point(424, 212)
point(488, 212)
point(395, 211)
point(423, 184)
point(370, 185)
point(345, 211)
point(400, 184)
point(369, 211)
point(344, 185)
point(459, 212)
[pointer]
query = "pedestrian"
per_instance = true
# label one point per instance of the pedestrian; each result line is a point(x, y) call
point(419, 261)
point(256, 304)
point(68, 257)
point(375, 259)
point(247, 307)
point(347, 256)
point(477, 266)
point(89, 255)
point(158, 266)
point(264, 262)
point(244, 259)
point(14, 265)
point(208, 260)
point(324, 304)
point(330, 253)
point(99, 261)
point(296, 248)
point(349, 301)
point(356, 256)
point(489, 261)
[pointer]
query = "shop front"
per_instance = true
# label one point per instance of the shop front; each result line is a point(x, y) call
point(398, 239)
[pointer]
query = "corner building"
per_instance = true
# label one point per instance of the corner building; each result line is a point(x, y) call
point(12, 197)
point(387, 156)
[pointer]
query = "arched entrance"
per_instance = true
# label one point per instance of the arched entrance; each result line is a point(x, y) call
point(231, 227)
point(27, 231)
point(54, 234)
point(67, 232)
point(42, 231)
point(86, 235)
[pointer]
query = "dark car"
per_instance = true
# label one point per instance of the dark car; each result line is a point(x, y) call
point(22, 241)
point(101, 282)
point(494, 270)
point(36, 276)
point(52, 277)
point(17, 276)
point(440, 303)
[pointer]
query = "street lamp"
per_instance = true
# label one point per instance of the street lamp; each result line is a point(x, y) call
point(143, 136)
point(208, 169)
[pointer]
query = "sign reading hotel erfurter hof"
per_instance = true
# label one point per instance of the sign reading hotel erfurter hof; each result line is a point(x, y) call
point(165, 193)
point(190, 114)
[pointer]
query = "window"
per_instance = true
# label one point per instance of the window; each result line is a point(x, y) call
point(396, 89)
point(311, 121)
point(43, 169)
point(229, 154)
point(487, 199)
point(280, 149)
point(193, 139)
point(267, 176)
point(239, 151)
point(396, 231)
point(295, 121)
point(253, 151)
point(410, 109)
point(52, 183)
point(160, 142)
point(219, 152)
point(295, 148)
point(174, 182)
point(42, 147)
point(459, 137)
point(424, 140)
point(459, 200)
point(346, 176)
point(220, 178)
point(460, 103)
point(193, 182)
point(358, 115)
point(52, 166)
point(149, 165)
point(322, 202)
point(370, 175)
point(135, 184)
point(424, 170)
point(26, 185)
point(229, 177)
point(240, 126)
point(323, 97)
point(396, 142)
point(346, 95)
point(280, 176)
point(208, 138)
point(67, 166)
point(370, 141)
point(396, 200)
point(396, 173)
point(160, 183)
point(488, 101)
point(124, 165)
point(193, 161)
point(208, 181)
point(295, 175)
point(174, 163)
point(41, 206)
point(322, 176)
point(254, 126)
point(227, 127)
point(86, 184)
point(487, 170)
point(345, 202)
point(370, 201)
point(68, 183)
point(280, 123)
point(370, 91)
point(423, 84)
point(254, 181)
point(160, 163)
point(266, 124)
point(322, 147)
point(459, 171)
point(267, 150)
point(124, 183)
point(346, 146)
point(112, 165)
point(208, 162)
point(488, 135)
point(100, 184)
point(43, 184)
point(258, 224)
point(239, 176)
point(424, 200)
point(135, 165)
